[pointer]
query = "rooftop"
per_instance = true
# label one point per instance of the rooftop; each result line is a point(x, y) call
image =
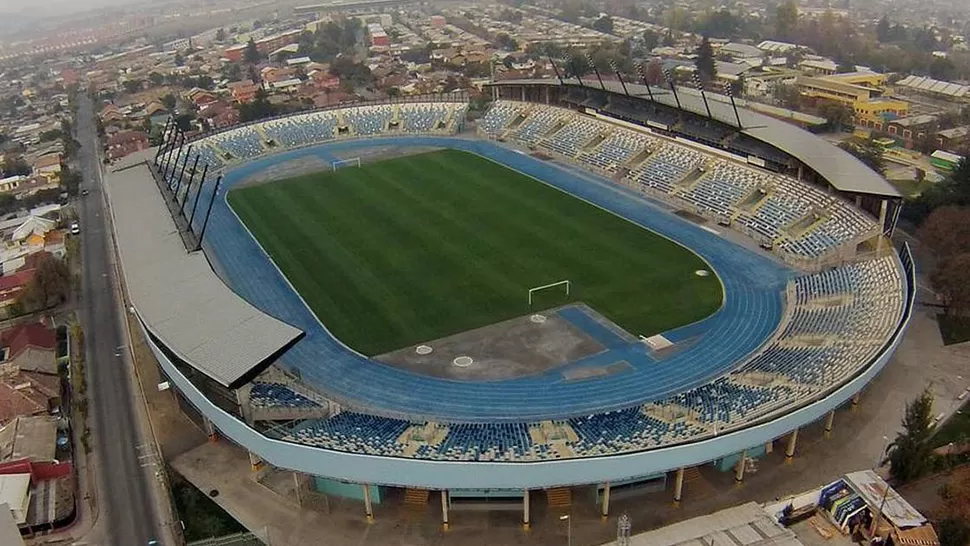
point(33, 438)
point(744, 525)
point(178, 297)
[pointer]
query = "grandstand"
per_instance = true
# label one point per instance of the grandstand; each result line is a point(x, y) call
point(791, 343)
point(800, 219)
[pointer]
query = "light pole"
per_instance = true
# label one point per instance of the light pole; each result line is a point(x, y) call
point(882, 453)
point(569, 529)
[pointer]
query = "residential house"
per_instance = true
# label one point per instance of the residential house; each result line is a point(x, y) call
point(243, 91)
point(25, 394)
point(219, 115)
point(30, 347)
point(126, 143)
point(11, 288)
point(912, 129)
point(29, 437)
point(200, 97)
point(48, 166)
point(953, 140)
point(323, 79)
point(111, 114)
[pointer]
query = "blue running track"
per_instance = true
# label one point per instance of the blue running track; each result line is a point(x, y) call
point(752, 310)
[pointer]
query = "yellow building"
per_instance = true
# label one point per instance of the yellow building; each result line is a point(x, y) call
point(866, 79)
point(836, 91)
point(873, 113)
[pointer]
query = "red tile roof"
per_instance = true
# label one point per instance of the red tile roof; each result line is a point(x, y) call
point(20, 337)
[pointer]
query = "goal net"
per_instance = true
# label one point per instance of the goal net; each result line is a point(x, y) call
point(341, 163)
point(550, 286)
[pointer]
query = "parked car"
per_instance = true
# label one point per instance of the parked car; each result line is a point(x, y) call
point(75, 228)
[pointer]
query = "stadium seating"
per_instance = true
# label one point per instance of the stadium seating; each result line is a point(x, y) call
point(240, 143)
point(718, 193)
point(498, 117)
point(840, 319)
point(303, 129)
point(276, 395)
point(296, 131)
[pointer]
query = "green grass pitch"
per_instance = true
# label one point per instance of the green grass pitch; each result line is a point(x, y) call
point(420, 247)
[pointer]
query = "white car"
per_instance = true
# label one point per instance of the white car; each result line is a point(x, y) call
point(75, 228)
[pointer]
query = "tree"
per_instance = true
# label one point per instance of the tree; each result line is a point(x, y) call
point(179, 60)
point(251, 54)
point(704, 62)
point(156, 79)
point(169, 101)
point(257, 24)
point(669, 40)
point(910, 452)
point(786, 20)
point(506, 42)
point(883, 30)
point(13, 167)
point(954, 532)
point(650, 39)
point(259, 108)
point(866, 153)
point(50, 286)
point(221, 35)
point(942, 68)
point(655, 72)
point(133, 86)
point(604, 24)
point(950, 279)
point(946, 231)
point(838, 115)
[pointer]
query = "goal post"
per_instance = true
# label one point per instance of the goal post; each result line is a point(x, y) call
point(535, 289)
point(341, 163)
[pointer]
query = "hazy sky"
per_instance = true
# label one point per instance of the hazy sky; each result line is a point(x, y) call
point(33, 8)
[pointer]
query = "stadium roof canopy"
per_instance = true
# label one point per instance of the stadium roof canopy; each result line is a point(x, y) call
point(841, 169)
point(177, 294)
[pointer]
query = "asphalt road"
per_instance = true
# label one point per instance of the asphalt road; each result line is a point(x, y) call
point(123, 464)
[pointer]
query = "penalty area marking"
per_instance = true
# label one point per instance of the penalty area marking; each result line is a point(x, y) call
point(462, 361)
point(423, 350)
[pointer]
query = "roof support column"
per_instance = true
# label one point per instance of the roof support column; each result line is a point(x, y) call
point(444, 509)
point(210, 429)
point(739, 473)
point(606, 501)
point(678, 486)
point(790, 449)
point(368, 509)
point(829, 418)
point(525, 510)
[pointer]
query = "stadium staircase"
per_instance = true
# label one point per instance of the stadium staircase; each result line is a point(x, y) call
point(415, 503)
point(695, 483)
point(559, 497)
point(640, 158)
point(220, 153)
point(263, 137)
point(807, 224)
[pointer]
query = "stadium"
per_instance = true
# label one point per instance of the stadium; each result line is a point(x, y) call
point(596, 286)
